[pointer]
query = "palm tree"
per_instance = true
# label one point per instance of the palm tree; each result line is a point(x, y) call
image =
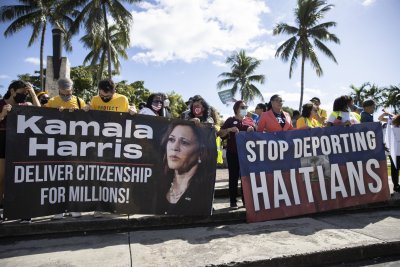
point(96, 41)
point(308, 13)
point(392, 94)
point(358, 93)
point(36, 14)
point(242, 77)
point(94, 13)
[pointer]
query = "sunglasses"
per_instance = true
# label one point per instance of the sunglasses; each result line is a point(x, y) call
point(278, 100)
point(243, 107)
point(157, 102)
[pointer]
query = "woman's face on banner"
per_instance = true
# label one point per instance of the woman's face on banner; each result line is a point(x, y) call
point(182, 148)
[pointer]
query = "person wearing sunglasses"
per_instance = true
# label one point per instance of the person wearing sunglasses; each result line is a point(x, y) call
point(65, 98)
point(154, 106)
point(233, 125)
point(308, 117)
point(275, 119)
point(109, 100)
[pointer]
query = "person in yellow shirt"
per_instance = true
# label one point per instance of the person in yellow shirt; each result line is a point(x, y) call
point(307, 119)
point(65, 98)
point(321, 115)
point(109, 100)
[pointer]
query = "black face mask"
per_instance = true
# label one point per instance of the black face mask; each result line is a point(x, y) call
point(106, 99)
point(20, 98)
point(44, 100)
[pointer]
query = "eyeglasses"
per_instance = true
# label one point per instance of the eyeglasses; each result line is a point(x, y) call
point(278, 100)
point(243, 107)
point(157, 102)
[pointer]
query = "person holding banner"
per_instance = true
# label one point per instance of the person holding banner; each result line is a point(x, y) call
point(109, 100)
point(228, 131)
point(199, 111)
point(65, 98)
point(154, 106)
point(16, 95)
point(341, 114)
point(187, 186)
point(275, 119)
point(307, 119)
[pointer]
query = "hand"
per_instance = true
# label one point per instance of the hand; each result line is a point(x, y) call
point(250, 129)
point(132, 110)
point(29, 88)
point(86, 108)
point(195, 120)
point(5, 110)
point(72, 109)
point(233, 130)
point(61, 109)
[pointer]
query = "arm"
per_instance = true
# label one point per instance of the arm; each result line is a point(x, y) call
point(35, 100)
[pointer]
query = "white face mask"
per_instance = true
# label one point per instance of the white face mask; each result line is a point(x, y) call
point(243, 112)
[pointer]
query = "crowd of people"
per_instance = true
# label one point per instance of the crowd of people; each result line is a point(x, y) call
point(183, 176)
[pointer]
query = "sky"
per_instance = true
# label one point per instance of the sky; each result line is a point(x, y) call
point(181, 46)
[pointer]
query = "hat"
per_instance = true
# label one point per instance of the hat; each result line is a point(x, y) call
point(315, 99)
point(42, 93)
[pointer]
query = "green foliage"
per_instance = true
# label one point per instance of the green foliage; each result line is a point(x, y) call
point(306, 37)
point(288, 110)
point(177, 104)
point(83, 82)
point(242, 77)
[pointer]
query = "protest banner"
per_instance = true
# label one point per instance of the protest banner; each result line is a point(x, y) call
point(226, 96)
point(307, 171)
point(105, 161)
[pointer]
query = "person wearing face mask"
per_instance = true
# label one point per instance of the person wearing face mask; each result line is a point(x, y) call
point(16, 95)
point(199, 111)
point(233, 125)
point(109, 100)
point(275, 119)
point(65, 98)
point(154, 106)
point(43, 97)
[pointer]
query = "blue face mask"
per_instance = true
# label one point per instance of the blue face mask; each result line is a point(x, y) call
point(66, 98)
point(243, 112)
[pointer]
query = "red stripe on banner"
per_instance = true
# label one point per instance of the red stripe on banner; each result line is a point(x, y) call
point(363, 188)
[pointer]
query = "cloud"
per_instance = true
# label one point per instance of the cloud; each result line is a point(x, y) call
point(33, 60)
point(368, 2)
point(264, 52)
point(4, 76)
point(192, 30)
point(219, 63)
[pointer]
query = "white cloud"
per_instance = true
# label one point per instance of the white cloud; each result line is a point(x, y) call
point(368, 2)
point(264, 52)
point(33, 60)
point(190, 30)
point(4, 76)
point(219, 63)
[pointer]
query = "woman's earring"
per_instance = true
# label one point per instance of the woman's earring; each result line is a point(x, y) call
point(199, 160)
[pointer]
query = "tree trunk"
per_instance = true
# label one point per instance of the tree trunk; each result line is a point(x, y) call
point(41, 57)
point(107, 40)
point(303, 59)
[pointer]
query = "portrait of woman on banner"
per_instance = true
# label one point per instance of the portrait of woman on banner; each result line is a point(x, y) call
point(189, 166)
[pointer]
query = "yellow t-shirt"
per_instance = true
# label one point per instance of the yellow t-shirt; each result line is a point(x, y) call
point(119, 103)
point(322, 113)
point(306, 122)
point(57, 102)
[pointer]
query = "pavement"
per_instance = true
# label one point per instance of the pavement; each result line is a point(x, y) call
point(223, 239)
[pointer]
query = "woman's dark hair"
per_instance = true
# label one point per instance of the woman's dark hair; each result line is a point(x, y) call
point(106, 85)
point(15, 85)
point(204, 152)
point(206, 106)
point(262, 106)
point(340, 104)
point(149, 102)
point(306, 110)
point(269, 104)
point(236, 106)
